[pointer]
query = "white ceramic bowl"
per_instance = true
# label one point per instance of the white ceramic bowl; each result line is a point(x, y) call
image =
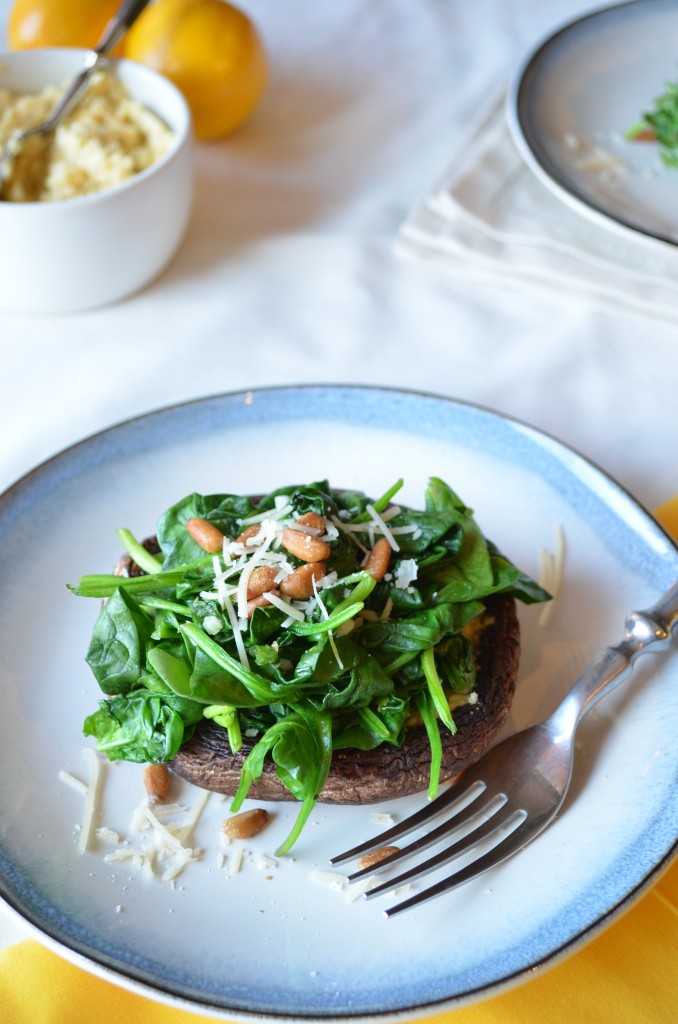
point(76, 254)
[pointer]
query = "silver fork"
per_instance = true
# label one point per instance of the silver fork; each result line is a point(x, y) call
point(504, 801)
point(121, 21)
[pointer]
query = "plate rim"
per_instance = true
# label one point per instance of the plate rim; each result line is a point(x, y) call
point(125, 976)
point(544, 168)
point(248, 393)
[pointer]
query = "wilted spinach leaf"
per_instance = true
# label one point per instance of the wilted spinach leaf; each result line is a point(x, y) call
point(143, 726)
point(117, 650)
point(223, 510)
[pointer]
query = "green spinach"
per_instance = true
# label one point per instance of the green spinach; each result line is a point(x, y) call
point(347, 667)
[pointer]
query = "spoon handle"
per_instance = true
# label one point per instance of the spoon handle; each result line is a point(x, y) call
point(121, 21)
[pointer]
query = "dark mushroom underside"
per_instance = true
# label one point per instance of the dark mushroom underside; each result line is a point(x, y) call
point(371, 776)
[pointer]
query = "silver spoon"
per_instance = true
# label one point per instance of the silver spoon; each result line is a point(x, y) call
point(119, 24)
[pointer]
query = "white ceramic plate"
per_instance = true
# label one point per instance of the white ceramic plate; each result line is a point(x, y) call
point(575, 97)
point(269, 941)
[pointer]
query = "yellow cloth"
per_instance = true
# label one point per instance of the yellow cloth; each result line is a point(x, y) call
point(624, 976)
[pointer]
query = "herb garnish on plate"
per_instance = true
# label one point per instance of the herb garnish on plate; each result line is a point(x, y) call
point(661, 125)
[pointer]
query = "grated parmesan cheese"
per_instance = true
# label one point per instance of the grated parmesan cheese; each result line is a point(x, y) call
point(382, 818)
point(162, 850)
point(309, 531)
point(333, 879)
point(211, 624)
point(391, 512)
point(76, 784)
point(237, 632)
point(107, 835)
point(285, 606)
point(374, 526)
point(164, 811)
point(358, 889)
point(350, 529)
point(236, 862)
point(92, 799)
point(186, 828)
point(551, 571)
point(326, 615)
point(405, 890)
point(379, 520)
point(327, 581)
point(269, 535)
point(331, 532)
point(279, 512)
point(406, 573)
point(599, 160)
point(265, 863)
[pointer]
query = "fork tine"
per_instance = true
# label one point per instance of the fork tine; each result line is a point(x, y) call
point(452, 799)
point(458, 826)
point(489, 833)
point(511, 835)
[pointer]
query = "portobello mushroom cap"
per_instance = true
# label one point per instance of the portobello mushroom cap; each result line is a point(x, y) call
point(386, 772)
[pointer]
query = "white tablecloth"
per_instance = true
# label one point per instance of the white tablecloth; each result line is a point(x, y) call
point(288, 275)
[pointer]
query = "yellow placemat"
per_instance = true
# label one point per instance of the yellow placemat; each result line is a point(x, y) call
point(627, 975)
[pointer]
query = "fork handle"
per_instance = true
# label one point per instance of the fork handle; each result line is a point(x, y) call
point(649, 630)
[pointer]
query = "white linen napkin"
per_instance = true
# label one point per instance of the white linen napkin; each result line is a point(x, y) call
point(490, 216)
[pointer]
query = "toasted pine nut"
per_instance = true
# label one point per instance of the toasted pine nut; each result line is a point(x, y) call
point(377, 560)
point(305, 547)
point(313, 521)
point(248, 533)
point(374, 856)
point(299, 584)
point(262, 578)
point(258, 602)
point(157, 781)
point(245, 825)
point(206, 534)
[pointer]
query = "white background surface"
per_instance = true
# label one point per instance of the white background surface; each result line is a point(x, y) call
point(287, 273)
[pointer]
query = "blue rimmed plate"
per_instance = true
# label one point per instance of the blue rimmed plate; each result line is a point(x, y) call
point(574, 98)
point(278, 939)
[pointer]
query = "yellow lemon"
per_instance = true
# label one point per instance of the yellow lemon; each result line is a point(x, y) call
point(58, 22)
point(211, 51)
point(667, 514)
